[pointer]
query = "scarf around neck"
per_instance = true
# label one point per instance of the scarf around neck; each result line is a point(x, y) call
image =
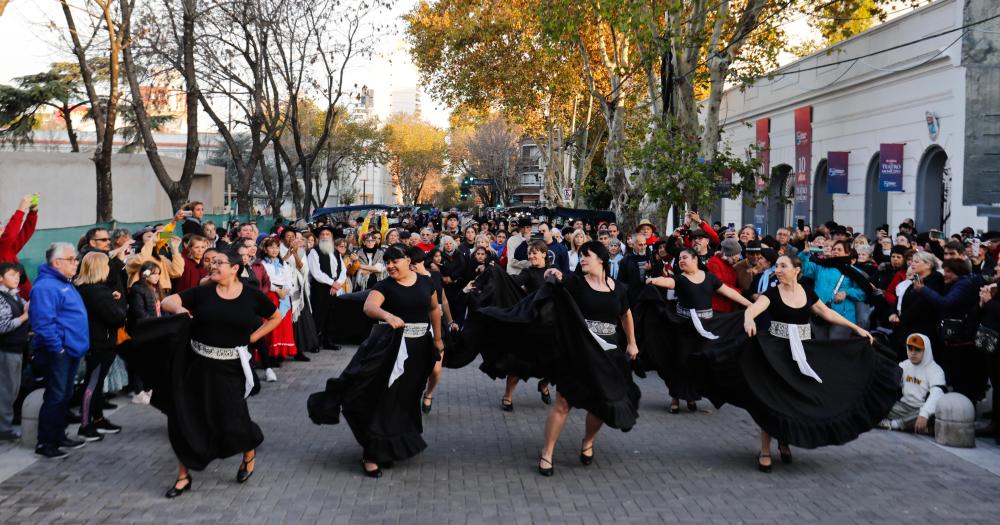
point(843, 264)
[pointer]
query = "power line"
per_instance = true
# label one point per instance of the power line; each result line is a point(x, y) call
point(886, 50)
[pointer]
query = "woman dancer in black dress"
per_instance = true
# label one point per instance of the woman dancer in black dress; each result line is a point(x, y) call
point(694, 288)
point(210, 419)
point(530, 279)
point(379, 391)
point(600, 382)
point(417, 259)
point(809, 393)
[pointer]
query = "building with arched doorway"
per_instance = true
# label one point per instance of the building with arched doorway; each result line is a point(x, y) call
point(901, 121)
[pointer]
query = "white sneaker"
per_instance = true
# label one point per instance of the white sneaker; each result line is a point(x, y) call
point(269, 376)
point(146, 396)
point(137, 398)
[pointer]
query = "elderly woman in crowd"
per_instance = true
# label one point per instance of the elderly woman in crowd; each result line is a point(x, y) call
point(913, 312)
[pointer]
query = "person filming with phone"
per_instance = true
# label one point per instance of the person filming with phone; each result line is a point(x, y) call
point(914, 312)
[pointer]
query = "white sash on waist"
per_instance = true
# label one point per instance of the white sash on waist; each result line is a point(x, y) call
point(799, 355)
point(410, 330)
point(247, 373)
point(699, 327)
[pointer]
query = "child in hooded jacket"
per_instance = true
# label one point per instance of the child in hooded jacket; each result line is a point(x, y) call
point(923, 385)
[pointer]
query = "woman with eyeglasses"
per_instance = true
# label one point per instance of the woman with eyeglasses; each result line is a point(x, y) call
point(379, 392)
point(209, 418)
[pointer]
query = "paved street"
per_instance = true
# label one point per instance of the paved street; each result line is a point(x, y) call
point(480, 467)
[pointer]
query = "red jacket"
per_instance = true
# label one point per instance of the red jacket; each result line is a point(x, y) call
point(890, 291)
point(193, 274)
point(13, 239)
point(727, 274)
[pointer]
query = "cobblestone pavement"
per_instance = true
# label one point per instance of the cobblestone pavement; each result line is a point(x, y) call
point(480, 467)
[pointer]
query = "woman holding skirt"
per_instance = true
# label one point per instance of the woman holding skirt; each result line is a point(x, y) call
point(379, 392)
point(209, 418)
point(598, 377)
point(802, 391)
point(685, 330)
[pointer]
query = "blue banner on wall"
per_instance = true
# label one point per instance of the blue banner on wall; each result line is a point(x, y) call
point(890, 171)
point(836, 172)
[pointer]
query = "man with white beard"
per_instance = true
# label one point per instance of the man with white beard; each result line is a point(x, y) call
point(327, 275)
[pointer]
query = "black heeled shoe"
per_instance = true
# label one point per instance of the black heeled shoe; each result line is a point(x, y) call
point(675, 407)
point(543, 389)
point(585, 459)
point(547, 472)
point(507, 405)
point(426, 407)
point(760, 463)
point(786, 453)
point(242, 475)
point(692, 406)
point(174, 491)
point(377, 473)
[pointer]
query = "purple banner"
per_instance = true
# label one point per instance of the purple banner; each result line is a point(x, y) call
point(890, 172)
point(836, 172)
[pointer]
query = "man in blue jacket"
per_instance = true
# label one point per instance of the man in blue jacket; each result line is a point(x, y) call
point(59, 320)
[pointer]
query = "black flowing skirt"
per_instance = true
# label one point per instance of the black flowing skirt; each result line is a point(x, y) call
point(493, 288)
point(211, 420)
point(207, 416)
point(306, 335)
point(347, 322)
point(668, 342)
point(545, 336)
point(860, 384)
point(385, 420)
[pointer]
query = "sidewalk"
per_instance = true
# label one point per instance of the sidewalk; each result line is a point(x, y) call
point(480, 468)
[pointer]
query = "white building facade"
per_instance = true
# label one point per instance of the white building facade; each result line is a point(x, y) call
point(856, 106)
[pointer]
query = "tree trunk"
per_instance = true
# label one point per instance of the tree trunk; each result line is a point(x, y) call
point(66, 113)
point(178, 190)
point(105, 193)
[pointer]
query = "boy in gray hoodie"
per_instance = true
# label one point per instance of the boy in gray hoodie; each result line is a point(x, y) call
point(923, 385)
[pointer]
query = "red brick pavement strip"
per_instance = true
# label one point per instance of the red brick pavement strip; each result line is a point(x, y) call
point(480, 468)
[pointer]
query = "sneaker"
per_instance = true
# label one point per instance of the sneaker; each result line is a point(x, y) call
point(104, 426)
point(88, 433)
point(895, 424)
point(147, 395)
point(50, 452)
point(884, 425)
point(9, 435)
point(70, 443)
point(269, 376)
point(137, 398)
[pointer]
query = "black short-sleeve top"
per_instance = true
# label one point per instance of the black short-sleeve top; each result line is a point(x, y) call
point(438, 282)
point(696, 295)
point(783, 313)
point(225, 323)
point(410, 303)
point(595, 305)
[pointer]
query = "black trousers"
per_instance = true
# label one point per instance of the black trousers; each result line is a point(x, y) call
point(92, 404)
point(993, 368)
